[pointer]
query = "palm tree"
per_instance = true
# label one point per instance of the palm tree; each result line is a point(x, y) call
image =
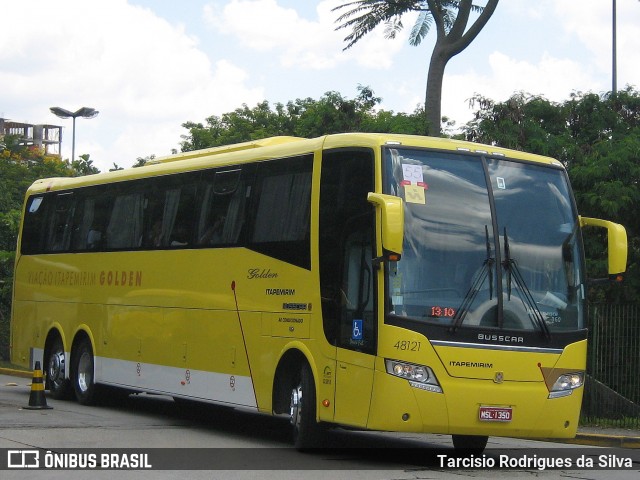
point(450, 18)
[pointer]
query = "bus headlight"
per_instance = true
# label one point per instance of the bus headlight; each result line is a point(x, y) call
point(419, 376)
point(566, 384)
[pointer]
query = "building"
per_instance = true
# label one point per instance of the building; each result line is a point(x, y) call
point(48, 137)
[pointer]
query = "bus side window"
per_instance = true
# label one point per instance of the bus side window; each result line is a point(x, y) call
point(177, 221)
point(35, 222)
point(222, 209)
point(91, 220)
point(281, 210)
point(61, 225)
point(125, 225)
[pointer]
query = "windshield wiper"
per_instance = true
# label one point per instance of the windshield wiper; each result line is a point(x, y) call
point(512, 269)
point(472, 293)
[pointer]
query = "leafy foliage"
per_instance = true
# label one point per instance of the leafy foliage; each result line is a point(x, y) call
point(366, 15)
point(308, 118)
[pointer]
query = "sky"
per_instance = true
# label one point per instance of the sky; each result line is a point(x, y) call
point(149, 66)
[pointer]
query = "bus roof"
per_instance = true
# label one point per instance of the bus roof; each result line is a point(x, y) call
point(276, 147)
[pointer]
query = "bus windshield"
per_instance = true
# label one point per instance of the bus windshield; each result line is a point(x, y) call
point(488, 243)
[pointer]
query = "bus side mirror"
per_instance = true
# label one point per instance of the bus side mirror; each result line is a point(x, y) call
point(392, 226)
point(616, 245)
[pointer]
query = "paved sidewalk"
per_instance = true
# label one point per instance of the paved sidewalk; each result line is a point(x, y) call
point(595, 436)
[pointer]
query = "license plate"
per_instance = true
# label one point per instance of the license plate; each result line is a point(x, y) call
point(495, 414)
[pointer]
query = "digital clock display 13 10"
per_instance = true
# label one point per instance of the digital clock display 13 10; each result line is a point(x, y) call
point(443, 312)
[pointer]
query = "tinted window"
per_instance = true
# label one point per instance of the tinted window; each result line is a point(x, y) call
point(265, 207)
point(35, 218)
point(92, 219)
point(282, 210)
point(223, 206)
point(61, 223)
point(347, 249)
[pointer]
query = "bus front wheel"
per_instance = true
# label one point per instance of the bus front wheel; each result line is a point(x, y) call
point(83, 373)
point(302, 411)
point(470, 443)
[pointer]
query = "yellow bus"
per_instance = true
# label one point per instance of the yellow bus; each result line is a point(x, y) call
point(374, 281)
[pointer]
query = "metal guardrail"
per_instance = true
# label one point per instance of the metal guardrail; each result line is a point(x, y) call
point(612, 389)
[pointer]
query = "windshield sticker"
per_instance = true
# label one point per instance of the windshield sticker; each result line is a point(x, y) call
point(501, 184)
point(412, 173)
point(413, 183)
point(415, 194)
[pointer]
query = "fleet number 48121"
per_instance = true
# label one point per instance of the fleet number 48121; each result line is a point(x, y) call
point(407, 345)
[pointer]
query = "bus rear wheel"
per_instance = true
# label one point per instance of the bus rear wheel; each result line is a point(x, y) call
point(82, 373)
point(307, 433)
point(56, 369)
point(470, 443)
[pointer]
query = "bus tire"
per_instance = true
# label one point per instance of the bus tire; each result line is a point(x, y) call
point(307, 432)
point(82, 373)
point(470, 443)
point(55, 365)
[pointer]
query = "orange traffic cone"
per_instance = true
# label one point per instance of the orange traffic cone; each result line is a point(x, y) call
point(37, 400)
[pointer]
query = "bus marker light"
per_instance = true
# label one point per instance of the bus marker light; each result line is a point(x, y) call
point(326, 403)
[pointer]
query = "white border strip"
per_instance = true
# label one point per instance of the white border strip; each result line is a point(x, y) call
point(236, 390)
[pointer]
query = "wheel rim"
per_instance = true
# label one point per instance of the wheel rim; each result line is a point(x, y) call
point(85, 372)
point(295, 406)
point(55, 370)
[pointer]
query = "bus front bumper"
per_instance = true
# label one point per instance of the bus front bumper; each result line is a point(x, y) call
point(473, 407)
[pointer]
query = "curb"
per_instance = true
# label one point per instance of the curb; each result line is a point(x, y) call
point(16, 373)
point(602, 440)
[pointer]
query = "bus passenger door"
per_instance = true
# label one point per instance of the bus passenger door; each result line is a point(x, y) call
point(347, 280)
point(356, 333)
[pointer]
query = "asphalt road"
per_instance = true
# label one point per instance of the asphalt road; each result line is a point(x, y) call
point(195, 441)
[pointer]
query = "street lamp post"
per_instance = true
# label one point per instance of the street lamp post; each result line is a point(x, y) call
point(84, 112)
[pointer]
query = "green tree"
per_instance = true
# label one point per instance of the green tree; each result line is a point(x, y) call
point(332, 113)
point(142, 161)
point(241, 125)
point(453, 29)
point(116, 167)
point(83, 166)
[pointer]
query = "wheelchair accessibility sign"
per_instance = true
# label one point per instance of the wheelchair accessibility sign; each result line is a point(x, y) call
point(356, 332)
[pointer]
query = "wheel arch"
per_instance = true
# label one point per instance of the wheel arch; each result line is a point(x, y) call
point(81, 333)
point(55, 332)
point(287, 370)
